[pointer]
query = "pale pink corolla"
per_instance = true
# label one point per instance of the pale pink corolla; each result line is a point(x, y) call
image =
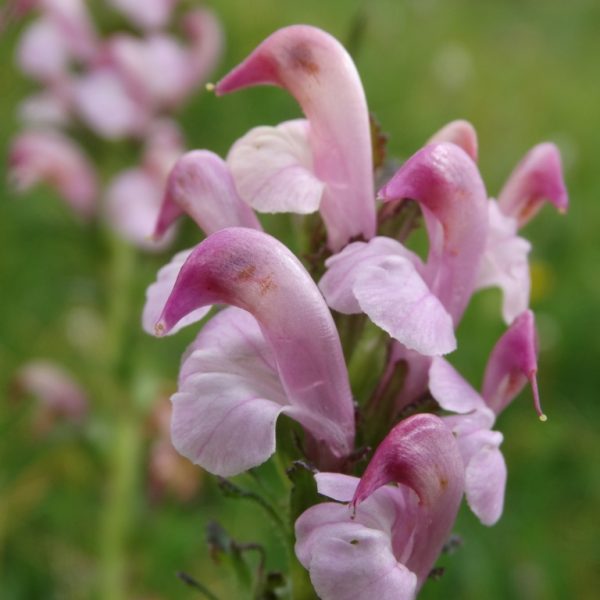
point(201, 185)
point(419, 304)
point(385, 544)
point(134, 197)
point(445, 182)
point(40, 156)
point(316, 69)
point(512, 363)
point(537, 178)
point(253, 271)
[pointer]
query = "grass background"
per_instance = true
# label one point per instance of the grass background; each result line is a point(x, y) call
point(521, 72)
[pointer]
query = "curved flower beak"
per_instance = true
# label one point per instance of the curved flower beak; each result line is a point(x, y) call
point(316, 69)
point(536, 178)
point(200, 185)
point(447, 185)
point(513, 363)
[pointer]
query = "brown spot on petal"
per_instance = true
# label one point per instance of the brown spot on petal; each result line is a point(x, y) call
point(266, 284)
point(301, 57)
point(443, 483)
point(246, 274)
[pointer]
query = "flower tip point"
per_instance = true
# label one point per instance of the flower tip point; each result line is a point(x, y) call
point(210, 87)
point(159, 329)
point(543, 418)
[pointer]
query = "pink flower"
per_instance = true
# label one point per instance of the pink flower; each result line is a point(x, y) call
point(512, 363)
point(538, 177)
point(134, 197)
point(386, 543)
point(60, 397)
point(283, 355)
point(419, 304)
point(325, 163)
point(51, 158)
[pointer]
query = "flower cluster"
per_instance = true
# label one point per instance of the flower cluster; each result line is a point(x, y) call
point(276, 349)
point(119, 86)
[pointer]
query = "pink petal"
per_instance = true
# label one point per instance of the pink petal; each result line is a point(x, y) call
point(273, 171)
point(42, 52)
point(158, 293)
point(200, 184)
point(459, 132)
point(450, 390)
point(512, 363)
point(106, 106)
point(485, 478)
point(251, 270)
point(445, 181)
point(316, 69)
point(131, 205)
point(505, 264)
point(420, 453)
point(229, 397)
point(337, 285)
point(50, 157)
point(396, 299)
point(536, 178)
point(337, 486)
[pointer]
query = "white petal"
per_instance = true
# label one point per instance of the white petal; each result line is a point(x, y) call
point(273, 171)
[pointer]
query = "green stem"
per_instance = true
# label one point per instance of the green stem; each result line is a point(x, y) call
point(118, 402)
point(119, 504)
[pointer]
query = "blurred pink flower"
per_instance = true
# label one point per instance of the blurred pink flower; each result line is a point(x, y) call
point(60, 398)
point(44, 156)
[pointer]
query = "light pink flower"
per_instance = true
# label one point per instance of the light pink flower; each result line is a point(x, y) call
point(537, 178)
point(59, 396)
point(316, 69)
point(201, 185)
point(512, 363)
point(288, 360)
point(49, 157)
point(134, 197)
point(385, 544)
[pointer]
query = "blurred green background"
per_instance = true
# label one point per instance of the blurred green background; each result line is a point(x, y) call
point(75, 502)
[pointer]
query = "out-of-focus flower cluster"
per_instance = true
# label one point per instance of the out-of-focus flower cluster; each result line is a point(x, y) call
point(277, 349)
point(120, 85)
